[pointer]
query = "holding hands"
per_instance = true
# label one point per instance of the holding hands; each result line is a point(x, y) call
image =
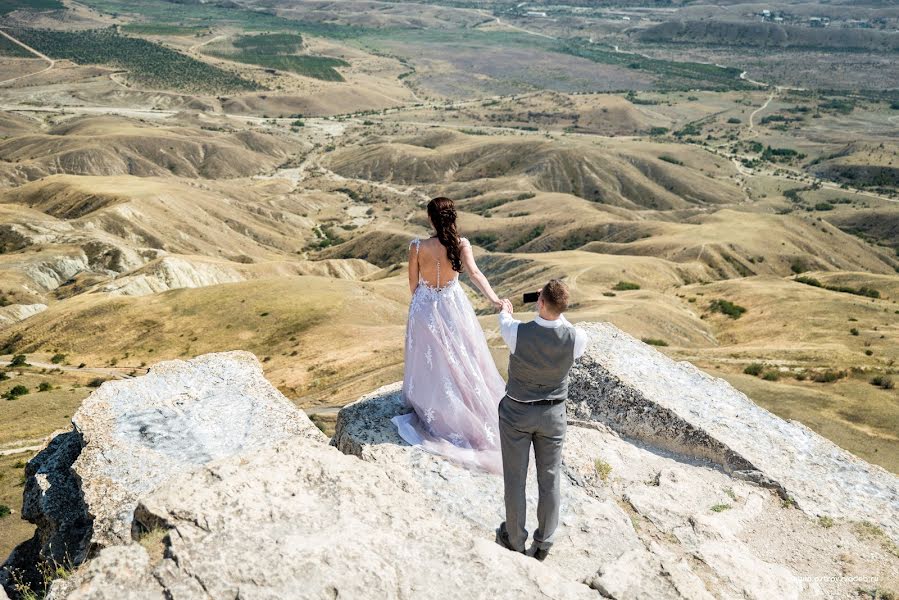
point(506, 306)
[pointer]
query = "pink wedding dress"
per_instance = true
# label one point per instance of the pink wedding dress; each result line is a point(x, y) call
point(450, 378)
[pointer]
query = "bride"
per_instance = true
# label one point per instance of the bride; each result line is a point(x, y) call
point(450, 378)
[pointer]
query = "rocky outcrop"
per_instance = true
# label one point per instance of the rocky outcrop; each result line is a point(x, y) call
point(191, 495)
point(638, 521)
point(132, 435)
point(641, 393)
point(19, 312)
point(168, 273)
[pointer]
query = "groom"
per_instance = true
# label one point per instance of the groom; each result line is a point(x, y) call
point(533, 412)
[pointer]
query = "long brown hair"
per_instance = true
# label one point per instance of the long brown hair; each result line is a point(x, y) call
point(442, 212)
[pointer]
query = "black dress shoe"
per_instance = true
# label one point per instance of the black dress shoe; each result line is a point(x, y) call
point(538, 553)
point(502, 538)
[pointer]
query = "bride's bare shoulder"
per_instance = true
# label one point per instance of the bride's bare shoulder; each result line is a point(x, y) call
point(464, 243)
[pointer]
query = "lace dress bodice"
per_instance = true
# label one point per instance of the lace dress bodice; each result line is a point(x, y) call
point(426, 289)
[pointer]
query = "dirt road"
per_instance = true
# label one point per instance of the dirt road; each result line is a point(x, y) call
point(50, 62)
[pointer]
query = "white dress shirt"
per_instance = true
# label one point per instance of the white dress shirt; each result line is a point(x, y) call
point(508, 328)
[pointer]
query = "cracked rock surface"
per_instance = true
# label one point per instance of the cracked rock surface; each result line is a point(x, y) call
point(201, 481)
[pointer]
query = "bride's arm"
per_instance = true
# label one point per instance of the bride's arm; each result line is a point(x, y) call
point(476, 276)
point(413, 266)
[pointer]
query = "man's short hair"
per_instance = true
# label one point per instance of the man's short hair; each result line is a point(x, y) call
point(555, 296)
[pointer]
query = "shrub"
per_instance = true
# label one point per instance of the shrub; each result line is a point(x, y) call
point(883, 381)
point(869, 352)
point(754, 369)
point(734, 121)
point(771, 376)
point(603, 469)
point(623, 286)
point(58, 358)
point(5, 511)
point(671, 159)
point(799, 266)
point(45, 386)
point(828, 376)
point(609, 294)
point(654, 342)
point(824, 206)
point(658, 131)
point(15, 392)
point(809, 281)
point(720, 508)
point(734, 311)
point(3, 376)
point(854, 331)
point(19, 360)
point(96, 382)
point(825, 522)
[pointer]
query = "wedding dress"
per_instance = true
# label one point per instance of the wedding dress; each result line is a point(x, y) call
point(450, 379)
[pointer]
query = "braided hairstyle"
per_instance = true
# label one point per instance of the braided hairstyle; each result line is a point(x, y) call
point(442, 212)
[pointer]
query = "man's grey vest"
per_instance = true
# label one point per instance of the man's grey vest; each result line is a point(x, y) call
point(538, 369)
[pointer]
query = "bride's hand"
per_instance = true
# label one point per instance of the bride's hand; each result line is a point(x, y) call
point(498, 304)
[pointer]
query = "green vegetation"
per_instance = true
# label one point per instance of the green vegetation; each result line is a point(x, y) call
point(278, 51)
point(883, 381)
point(828, 376)
point(218, 14)
point(13, 50)
point(623, 286)
point(164, 29)
point(147, 63)
point(5, 511)
point(658, 131)
point(771, 376)
point(15, 392)
point(825, 522)
point(58, 358)
point(754, 369)
point(823, 206)
point(780, 155)
point(726, 307)
point(45, 386)
point(654, 342)
point(861, 291)
point(19, 360)
point(603, 469)
point(528, 237)
point(325, 238)
point(836, 104)
point(672, 75)
point(270, 43)
point(7, 6)
point(720, 508)
point(671, 159)
point(688, 129)
point(854, 331)
point(869, 530)
point(487, 241)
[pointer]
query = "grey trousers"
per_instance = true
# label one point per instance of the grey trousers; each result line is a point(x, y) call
point(521, 425)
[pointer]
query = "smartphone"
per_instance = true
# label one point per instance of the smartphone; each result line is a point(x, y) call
point(531, 297)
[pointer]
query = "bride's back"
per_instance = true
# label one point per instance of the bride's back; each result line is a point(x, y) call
point(430, 253)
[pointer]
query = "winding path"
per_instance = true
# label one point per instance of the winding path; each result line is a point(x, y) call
point(50, 62)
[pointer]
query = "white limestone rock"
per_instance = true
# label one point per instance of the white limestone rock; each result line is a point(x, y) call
point(643, 394)
point(19, 312)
